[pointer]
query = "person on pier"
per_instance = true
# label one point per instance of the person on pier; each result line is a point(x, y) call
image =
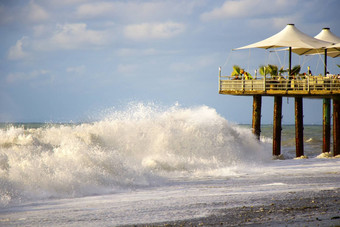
point(247, 75)
point(309, 71)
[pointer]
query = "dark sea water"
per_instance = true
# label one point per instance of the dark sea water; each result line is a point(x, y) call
point(312, 139)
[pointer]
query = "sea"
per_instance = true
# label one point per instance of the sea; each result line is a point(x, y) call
point(150, 164)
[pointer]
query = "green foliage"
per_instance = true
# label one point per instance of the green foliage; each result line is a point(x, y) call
point(263, 70)
point(296, 70)
point(282, 71)
point(236, 70)
point(273, 70)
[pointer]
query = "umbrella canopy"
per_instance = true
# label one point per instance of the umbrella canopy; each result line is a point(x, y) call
point(290, 36)
point(333, 50)
point(324, 35)
point(327, 35)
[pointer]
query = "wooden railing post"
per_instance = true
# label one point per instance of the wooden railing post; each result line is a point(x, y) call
point(264, 83)
point(308, 83)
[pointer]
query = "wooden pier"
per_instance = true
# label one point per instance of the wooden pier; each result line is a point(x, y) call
point(299, 87)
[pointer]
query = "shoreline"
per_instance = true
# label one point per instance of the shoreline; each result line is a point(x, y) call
point(320, 208)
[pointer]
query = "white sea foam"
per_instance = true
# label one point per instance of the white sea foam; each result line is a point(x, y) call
point(140, 146)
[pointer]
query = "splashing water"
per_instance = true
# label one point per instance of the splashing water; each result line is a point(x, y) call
point(141, 146)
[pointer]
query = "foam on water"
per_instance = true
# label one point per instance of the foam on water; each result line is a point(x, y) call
point(141, 146)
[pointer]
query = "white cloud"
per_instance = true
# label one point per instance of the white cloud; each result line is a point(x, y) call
point(281, 22)
point(66, 2)
point(127, 52)
point(137, 10)
point(73, 36)
point(277, 23)
point(16, 52)
point(29, 13)
point(147, 31)
point(76, 70)
point(247, 9)
point(96, 9)
point(20, 76)
point(40, 30)
point(36, 13)
point(127, 68)
point(195, 63)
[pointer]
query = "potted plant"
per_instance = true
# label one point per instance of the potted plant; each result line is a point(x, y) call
point(273, 71)
point(263, 70)
point(236, 72)
point(295, 70)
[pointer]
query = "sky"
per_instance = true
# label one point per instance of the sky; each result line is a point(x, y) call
point(70, 60)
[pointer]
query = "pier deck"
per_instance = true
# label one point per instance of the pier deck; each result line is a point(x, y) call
point(299, 87)
point(306, 86)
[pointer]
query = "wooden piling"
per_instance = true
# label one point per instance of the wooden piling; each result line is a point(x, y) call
point(336, 126)
point(256, 121)
point(277, 125)
point(299, 126)
point(326, 115)
point(328, 89)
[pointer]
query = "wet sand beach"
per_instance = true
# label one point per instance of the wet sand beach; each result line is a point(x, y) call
point(291, 209)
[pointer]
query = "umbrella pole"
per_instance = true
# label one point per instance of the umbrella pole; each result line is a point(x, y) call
point(325, 72)
point(326, 115)
point(290, 62)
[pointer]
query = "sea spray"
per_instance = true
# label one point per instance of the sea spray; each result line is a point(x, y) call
point(141, 146)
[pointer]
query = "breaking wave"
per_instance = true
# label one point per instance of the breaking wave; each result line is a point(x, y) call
point(140, 146)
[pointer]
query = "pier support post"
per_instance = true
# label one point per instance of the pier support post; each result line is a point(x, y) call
point(277, 125)
point(256, 122)
point(336, 126)
point(299, 126)
point(326, 115)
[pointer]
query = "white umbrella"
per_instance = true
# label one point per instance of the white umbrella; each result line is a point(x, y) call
point(290, 37)
point(327, 35)
point(333, 50)
point(324, 35)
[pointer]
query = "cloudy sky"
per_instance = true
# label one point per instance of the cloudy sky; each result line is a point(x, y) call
point(69, 60)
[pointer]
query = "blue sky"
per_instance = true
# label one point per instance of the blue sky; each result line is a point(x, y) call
point(67, 60)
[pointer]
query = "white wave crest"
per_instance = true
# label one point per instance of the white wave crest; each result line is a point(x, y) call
point(139, 146)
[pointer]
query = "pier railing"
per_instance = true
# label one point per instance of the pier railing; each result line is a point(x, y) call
point(298, 85)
